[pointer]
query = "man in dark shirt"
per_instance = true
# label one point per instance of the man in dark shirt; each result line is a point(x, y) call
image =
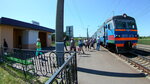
point(5, 45)
point(72, 45)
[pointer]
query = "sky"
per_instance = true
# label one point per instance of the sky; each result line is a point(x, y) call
point(81, 14)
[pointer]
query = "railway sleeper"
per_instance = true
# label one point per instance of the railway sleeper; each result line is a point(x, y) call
point(139, 66)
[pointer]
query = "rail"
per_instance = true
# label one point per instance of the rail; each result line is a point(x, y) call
point(67, 73)
point(138, 61)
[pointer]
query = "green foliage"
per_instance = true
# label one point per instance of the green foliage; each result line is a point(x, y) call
point(53, 37)
point(76, 42)
point(53, 43)
point(144, 37)
point(76, 39)
point(144, 40)
point(67, 43)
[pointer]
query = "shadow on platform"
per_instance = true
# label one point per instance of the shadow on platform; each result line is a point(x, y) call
point(48, 48)
point(114, 74)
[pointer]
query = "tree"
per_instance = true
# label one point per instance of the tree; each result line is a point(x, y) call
point(53, 37)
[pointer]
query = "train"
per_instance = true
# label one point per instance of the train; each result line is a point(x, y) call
point(118, 33)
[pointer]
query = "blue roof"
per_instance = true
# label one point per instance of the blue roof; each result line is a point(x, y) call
point(12, 22)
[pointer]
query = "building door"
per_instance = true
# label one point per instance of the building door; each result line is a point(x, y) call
point(43, 36)
point(17, 38)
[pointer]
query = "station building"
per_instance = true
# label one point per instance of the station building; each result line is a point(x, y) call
point(23, 35)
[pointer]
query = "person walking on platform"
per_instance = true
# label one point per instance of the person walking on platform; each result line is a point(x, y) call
point(38, 47)
point(80, 44)
point(88, 44)
point(98, 43)
point(92, 41)
point(72, 45)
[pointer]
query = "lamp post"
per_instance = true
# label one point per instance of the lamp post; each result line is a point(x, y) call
point(87, 33)
point(59, 32)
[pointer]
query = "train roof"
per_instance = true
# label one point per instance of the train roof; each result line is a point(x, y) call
point(124, 16)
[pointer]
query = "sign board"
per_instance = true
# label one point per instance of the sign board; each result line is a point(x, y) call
point(35, 23)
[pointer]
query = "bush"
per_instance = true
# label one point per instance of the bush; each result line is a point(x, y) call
point(144, 41)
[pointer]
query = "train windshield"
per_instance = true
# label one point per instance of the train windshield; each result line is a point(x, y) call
point(125, 24)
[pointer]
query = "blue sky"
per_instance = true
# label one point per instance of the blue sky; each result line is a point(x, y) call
point(79, 13)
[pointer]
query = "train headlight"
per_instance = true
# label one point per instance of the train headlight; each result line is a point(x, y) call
point(136, 35)
point(118, 36)
point(124, 15)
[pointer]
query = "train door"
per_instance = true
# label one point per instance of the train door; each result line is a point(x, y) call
point(105, 34)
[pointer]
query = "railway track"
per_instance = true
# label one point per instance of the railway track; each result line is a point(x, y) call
point(138, 59)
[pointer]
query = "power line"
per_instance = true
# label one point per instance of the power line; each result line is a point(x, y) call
point(77, 12)
point(109, 10)
point(69, 8)
point(143, 12)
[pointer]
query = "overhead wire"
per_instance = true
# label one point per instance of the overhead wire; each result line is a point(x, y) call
point(107, 13)
point(77, 12)
point(117, 6)
point(79, 16)
point(74, 12)
point(69, 9)
point(143, 12)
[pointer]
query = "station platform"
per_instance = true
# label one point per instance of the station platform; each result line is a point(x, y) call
point(104, 67)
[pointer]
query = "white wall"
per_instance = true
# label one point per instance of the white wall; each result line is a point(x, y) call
point(33, 35)
point(25, 37)
point(30, 36)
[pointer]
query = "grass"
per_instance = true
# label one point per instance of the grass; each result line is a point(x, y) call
point(145, 41)
point(15, 76)
point(7, 78)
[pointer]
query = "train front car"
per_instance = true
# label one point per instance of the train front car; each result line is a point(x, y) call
point(125, 31)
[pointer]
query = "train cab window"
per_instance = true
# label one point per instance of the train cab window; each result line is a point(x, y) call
point(120, 24)
point(131, 25)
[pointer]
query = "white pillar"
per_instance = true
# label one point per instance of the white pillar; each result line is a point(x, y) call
point(29, 38)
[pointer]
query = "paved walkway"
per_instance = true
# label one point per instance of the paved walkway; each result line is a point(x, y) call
point(102, 67)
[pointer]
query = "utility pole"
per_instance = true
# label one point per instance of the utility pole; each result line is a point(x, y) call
point(87, 34)
point(59, 32)
point(113, 13)
point(69, 34)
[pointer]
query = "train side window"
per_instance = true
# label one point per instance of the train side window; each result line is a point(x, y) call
point(110, 26)
point(105, 26)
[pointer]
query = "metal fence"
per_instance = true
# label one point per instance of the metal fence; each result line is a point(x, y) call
point(66, 74)
point(38, 63)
